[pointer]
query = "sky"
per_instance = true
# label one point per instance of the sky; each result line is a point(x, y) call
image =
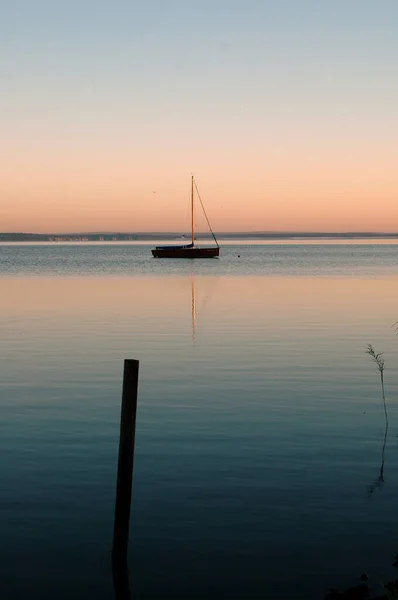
point(285, 112)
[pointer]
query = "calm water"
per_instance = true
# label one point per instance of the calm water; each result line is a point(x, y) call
point(260, 424)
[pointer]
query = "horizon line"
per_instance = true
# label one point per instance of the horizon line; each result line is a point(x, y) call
point(251, 233)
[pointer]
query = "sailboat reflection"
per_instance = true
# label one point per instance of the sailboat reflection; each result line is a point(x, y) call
point(195, 308)
point(377, 483)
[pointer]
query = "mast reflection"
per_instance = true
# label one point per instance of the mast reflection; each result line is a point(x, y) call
point(193, 309)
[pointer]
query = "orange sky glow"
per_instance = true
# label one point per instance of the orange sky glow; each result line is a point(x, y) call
point(284, 128)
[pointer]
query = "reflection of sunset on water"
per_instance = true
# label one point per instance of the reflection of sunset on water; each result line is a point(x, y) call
point(195, 304)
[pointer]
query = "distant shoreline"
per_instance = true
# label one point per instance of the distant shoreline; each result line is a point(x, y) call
point(155, 236)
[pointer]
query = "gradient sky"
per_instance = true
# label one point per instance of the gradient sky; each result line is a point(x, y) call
point(286, 112)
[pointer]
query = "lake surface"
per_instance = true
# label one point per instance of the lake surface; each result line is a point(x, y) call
point(259, 431)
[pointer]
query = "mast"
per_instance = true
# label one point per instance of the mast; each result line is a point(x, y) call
point(204, 212)
point(192, 221)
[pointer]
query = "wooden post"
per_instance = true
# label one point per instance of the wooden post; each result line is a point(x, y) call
point(125, 478)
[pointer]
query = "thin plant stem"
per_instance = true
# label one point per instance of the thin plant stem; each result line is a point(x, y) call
point(384, 398)
point(379, 361)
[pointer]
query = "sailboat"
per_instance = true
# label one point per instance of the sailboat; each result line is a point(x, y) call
point(190, 250)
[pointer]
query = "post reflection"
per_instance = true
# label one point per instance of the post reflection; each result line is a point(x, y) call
point(121, 583)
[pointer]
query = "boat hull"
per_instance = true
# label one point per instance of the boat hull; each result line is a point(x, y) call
point(186, 252)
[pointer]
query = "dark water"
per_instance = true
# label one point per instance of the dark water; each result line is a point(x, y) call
point(260, 423)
